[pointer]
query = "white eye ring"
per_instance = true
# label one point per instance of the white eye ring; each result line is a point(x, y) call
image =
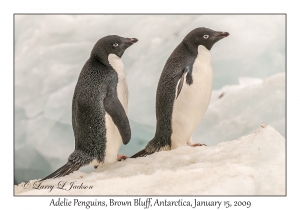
point(115, 44)
point(205, 36)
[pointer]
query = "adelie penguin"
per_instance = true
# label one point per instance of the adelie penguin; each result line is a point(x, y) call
point(99, 107)
point(183, 91)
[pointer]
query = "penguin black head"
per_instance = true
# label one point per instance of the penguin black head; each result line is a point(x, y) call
point(112, 44)
point(203, 36)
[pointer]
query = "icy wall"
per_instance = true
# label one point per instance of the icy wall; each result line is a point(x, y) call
point(51, 50)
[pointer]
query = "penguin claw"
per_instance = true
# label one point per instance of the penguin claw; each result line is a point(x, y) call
point(121, 157)
point(197, 145)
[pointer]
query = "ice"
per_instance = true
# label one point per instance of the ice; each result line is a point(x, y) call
point(252, 165)
point(232, 113)
point(58, 104)
point(50, 51)
point(235, 110)
point(27, 152)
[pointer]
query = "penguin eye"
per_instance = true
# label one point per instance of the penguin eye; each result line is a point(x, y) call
point(115, 44)
point(205, 36)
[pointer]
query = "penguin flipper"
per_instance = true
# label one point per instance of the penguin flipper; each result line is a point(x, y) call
point(180, 84)
point(114, 108)
point(185, 72)
point(66, 169)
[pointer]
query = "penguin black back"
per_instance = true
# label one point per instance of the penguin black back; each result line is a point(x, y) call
point(95, 98)
point(177, 72)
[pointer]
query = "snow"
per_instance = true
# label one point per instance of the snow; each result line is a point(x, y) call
point(252, 165)
point(50, 51)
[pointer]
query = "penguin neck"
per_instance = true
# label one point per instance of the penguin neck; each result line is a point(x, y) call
point(117, 64)
point(191, 48)
point(100, 58)
point(203, 52)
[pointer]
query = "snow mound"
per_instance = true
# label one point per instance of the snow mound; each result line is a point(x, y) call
point(252, 165)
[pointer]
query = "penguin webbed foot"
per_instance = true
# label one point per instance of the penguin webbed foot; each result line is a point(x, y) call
point(121, 157)
point(197, 145)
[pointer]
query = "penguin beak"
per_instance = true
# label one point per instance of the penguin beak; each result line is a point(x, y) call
point(221, 35)
point(133, 40)
point(130, 41)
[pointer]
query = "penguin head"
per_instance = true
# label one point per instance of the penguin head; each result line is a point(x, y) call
point(204, 36)
point(112, 44)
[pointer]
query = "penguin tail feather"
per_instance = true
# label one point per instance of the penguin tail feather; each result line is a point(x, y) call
point(141, 153)
point(66, 169)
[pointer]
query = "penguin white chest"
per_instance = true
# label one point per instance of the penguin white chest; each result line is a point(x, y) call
point(193, 100)
point(122, 88)
point(113, 137)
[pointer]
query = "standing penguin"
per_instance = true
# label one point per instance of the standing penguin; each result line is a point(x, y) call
point(183, 91)
point(99, 107)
